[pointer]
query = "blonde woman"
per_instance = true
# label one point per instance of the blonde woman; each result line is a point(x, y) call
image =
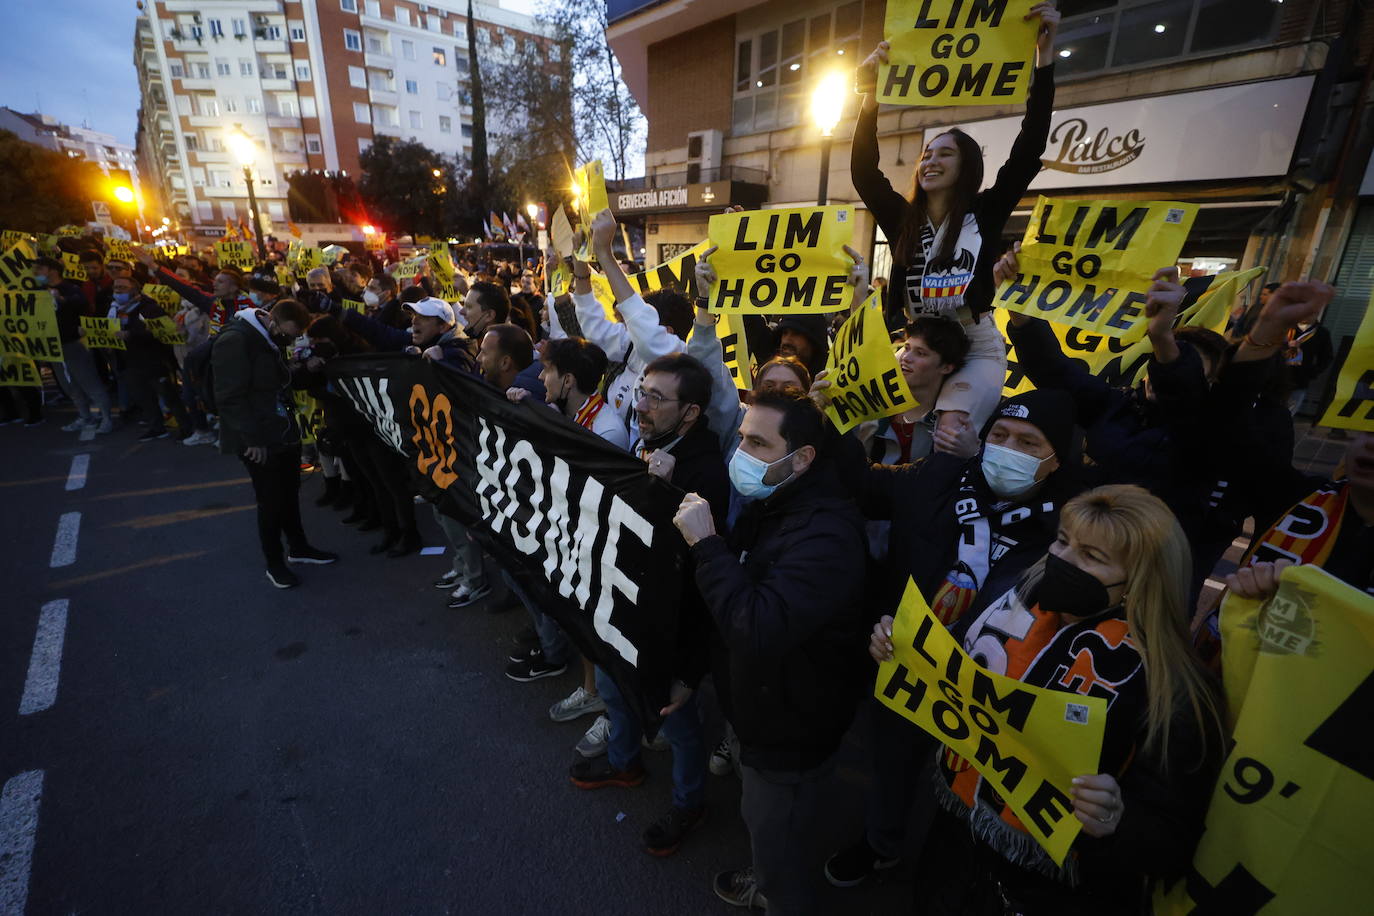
point(1104, 613)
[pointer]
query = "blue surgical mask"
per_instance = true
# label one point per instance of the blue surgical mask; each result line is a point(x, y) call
point(256, 298)
point(747, 473)
point(123, 298)
point(1009, 473)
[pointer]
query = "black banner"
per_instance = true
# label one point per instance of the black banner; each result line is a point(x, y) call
point(582, 527)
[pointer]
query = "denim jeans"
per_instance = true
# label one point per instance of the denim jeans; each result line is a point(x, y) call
point(552, 640)
point(682, 729)
point(82, 381)
point(467, 554)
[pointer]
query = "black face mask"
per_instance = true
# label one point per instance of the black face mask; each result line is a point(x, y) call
point(1066, 589)
point(663, 439)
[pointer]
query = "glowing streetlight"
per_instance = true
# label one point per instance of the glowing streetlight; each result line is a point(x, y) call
point(533, 211)
point(124, 194)
point(827, 105)
point(246, 152)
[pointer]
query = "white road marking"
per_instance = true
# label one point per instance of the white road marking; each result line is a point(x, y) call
point(87, 434)
point(18, 826)
point(64, 545)
point(76, 477)
point(45, 665)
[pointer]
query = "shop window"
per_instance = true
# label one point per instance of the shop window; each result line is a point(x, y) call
point(1227, 23)
point(1155, 31)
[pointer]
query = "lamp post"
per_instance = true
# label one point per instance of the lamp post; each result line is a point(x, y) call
point(245, 151)
point(827, 104)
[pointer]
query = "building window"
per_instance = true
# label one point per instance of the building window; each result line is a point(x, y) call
point(297, 33)
point(286, 107)
point(303, 72)
point(231, 104)
point(555, 51)
point(402, 15)
point(240, 28)
point(380, 81)
point(460, 60)
point(202, 71)
point(254, 104)
point(416, 122)
point(364, 144)
point(272, 33)
point(357, 77)
point(197, 33)
point(376, 44)
point(443, 91)
point(348, 6)
point(209, 107)
point(362, 113)
point(407, 49)
point(192, 142)
point(440, 57)
point(445, 124)
point(772, 67)
point(385, 116)
point(245, 67)
point(222, 66)
point(308, 106)
point(312, 144)
point(353, 41)
point(467, 131)
point(374, 8)
point(412, 87)
point(174, 67)
point(216, 28)
point(1105, 35)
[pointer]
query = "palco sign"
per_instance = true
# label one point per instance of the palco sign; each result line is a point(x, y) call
point(1187, 136)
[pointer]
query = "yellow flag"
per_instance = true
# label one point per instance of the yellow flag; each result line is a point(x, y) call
point(774, 261)
point(1353, 405)
point(590, 185)
point(100, 333)
point(949, 52)
point(1287, 830)
point(1089, 263)
point(866, 382)
point(1027, 742)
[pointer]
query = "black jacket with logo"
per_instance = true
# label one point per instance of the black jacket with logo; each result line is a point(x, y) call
point(252, 387)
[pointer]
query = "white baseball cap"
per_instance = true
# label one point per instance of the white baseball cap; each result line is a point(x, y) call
point(434, 308)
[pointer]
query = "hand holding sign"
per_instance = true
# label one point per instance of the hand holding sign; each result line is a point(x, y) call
point(694, 519)
point(705, 273)
point(603, 234)
point(880, 643)
point(1293, 303)
point(866, 77)
point(1097, 804)
point(947, 52)
point(1049, 28)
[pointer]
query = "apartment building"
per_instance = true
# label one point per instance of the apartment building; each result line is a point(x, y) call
point(1257, 110)
point(115, 159)
point(311, 82)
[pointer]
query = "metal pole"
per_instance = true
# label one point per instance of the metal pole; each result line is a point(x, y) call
point(253, 205)
point(825, 170)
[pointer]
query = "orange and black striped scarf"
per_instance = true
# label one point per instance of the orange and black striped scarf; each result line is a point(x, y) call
point(586, 414)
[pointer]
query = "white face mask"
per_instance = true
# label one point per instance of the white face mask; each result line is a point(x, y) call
point(1009, 473)
point(371, 299)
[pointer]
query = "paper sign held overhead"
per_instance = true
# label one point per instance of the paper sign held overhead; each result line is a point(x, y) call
point(957, 52)
point(776, 261)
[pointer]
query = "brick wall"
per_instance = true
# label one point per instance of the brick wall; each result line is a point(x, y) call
point(691, 83)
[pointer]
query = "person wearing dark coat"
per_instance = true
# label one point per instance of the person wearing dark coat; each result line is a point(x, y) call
point(252, 391)
point(146, 364)
point(784, 589)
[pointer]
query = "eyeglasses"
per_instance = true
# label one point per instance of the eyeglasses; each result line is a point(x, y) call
point(653, 397)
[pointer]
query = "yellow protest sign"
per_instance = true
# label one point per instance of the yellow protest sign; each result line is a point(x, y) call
point(772, 261)
point(442, 271)
point(71, 267)
point(374, 241)
point(866, 382)
point(1287, 830)
point(948, 52)
point(235, 254)
point(164, 296)
point(353, 305)
point(734, 350)
point(310, 414)
point(120, 250)
point(47, 245)
point(1027, 742)
point(16, 267)
point(332, 253)
point(69, 231)
point(11, 237)
point(303, 258)
point(560, 281)
point(408, 270)
point(284, 277)
point(100, 333)
point(1090, 263)
point(165, 330)
point(19, 372)
point(589, 190)
point(1353, 405)
point(28, 326)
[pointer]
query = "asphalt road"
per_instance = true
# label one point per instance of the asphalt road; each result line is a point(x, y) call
point(215, 745)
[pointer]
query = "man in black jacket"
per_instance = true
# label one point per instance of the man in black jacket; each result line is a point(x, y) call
point(680, 448)
point(78, 376)
point(785, 593)
point(146, 364)
point(252, 385)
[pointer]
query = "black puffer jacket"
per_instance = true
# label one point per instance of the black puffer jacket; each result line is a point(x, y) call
point(785, 593)
point(252, 388)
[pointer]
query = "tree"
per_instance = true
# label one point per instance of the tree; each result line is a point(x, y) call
point(41, 189)
point(480, 174)
point(400, 187)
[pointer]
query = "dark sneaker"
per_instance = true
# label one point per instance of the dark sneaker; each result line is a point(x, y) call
point(527, 651)
point(464, 595)
point(391, 540)
point(314, 556)
point(448, 581)
point(282, 577)
point(665, 835)
point(851, 866)
point(533, 668)
point(154, 433)
point(524, 641)
point(738, 888)
point(598, 774)
point(407, 545)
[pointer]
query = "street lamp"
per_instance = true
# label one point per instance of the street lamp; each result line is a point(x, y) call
point(246, 151)
point(827, 104)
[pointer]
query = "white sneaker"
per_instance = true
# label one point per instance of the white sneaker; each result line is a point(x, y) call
point(77, 424)
point(722, 759)
point(465, 594)
point(204, 437)
point(577, 703)
point(593, 743)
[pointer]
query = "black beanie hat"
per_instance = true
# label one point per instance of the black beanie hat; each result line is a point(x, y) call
point(1049, 410)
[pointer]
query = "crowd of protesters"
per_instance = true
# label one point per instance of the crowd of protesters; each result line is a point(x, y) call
point(1077, 507)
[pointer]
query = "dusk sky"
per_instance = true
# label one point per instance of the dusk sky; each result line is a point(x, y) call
point(74, 60)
